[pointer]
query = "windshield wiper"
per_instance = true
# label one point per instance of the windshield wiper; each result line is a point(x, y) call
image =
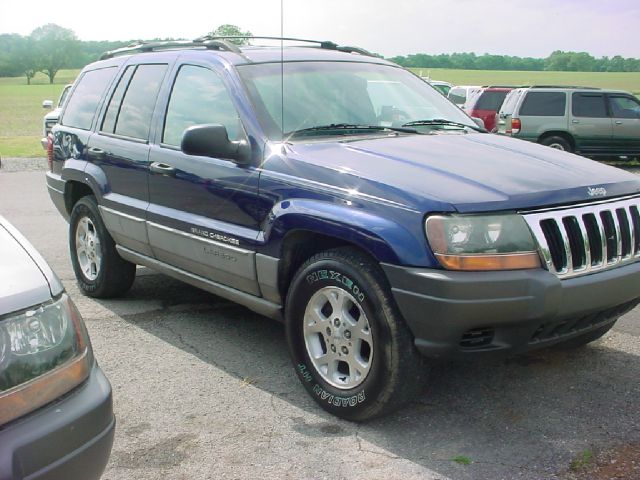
point(349, 126)
point(442, 121)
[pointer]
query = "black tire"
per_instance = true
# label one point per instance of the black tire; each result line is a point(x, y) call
point(397, 372)
point(113, 275)
point(557, 142)
point(586, 338)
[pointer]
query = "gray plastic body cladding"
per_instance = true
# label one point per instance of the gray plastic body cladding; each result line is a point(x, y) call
point(126, 230)
point(257, 304)
point(439, 306)
point(206, 258)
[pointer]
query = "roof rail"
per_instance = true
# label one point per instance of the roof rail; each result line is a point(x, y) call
point(565, 86)
point(212, 42)
point(326, 44)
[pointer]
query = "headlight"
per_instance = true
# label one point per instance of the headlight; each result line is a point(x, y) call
point(482, 242)
point(44, 353)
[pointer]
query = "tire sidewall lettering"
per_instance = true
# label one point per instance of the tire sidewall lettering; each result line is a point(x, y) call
point(345, 281)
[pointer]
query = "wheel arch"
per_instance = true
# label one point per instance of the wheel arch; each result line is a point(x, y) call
point(559, 133)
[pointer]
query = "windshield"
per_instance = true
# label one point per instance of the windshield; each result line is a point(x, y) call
point(341, 93)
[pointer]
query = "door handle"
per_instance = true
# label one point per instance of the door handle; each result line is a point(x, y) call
point(162, 168)
point(96, 153)
point(618, 122)
point(575, 121)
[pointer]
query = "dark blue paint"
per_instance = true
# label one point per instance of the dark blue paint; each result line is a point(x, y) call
point(373, 191)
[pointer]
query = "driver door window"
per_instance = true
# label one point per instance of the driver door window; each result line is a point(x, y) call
point(199, 97)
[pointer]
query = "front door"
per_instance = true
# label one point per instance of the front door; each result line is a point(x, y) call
point(202, 213)
point(625, 111)
point(590, 124)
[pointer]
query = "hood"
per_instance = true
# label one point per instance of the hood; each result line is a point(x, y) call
point(25, 278)
point(467, 172)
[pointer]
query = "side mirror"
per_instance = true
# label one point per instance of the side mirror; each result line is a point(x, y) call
point(47, 104)
point(478, 121)
point(213, 141)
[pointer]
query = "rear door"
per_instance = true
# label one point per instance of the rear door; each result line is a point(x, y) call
point(625, 111)
point(202, 214)
point(590, 124)
point(120, 152)
point(505, 113)
point(72, 138)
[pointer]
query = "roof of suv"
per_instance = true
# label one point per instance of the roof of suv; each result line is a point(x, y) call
point(237, 55)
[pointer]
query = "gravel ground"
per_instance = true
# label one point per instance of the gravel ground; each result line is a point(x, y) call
point(203, 389)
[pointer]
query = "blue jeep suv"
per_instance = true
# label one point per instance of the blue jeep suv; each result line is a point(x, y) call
point(335, 191)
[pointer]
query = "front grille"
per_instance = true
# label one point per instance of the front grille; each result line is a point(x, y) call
point(584, 239)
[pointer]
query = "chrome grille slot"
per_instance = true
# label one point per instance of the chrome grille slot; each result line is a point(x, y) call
point(587, 238)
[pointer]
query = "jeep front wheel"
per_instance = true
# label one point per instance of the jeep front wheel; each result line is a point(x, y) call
point(349, 344)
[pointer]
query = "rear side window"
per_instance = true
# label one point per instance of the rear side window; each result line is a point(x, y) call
point(490, 101)
point(458, 95)
point(589, 105)
point(132, 103)
point(83, 103)
point(199, 97)
point(544, 104)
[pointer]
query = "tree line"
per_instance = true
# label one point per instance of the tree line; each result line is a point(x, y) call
point(50, 48)
point(557, 61)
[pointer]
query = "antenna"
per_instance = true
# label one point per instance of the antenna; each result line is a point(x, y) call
point(282, 68)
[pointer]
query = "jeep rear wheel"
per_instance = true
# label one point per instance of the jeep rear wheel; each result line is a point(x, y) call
point(100, 271)
point(349, 344)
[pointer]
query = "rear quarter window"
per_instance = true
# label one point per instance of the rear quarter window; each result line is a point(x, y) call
point(83, 103)
point(544, 104)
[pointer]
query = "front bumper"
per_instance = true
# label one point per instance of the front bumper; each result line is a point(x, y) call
point(70, 438)
point(458, 314)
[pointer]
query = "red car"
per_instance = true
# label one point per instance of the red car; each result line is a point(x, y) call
point(486, 103)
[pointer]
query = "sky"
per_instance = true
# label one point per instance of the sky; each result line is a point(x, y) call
point(390, 27)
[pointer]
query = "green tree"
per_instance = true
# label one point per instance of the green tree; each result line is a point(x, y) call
point(56, 48)
point(26, 59)
point(228, 30)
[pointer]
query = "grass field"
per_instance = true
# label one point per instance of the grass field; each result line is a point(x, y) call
point(21, 109)
point(21, 112)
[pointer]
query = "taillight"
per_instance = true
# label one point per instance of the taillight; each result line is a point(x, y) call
point(50, 152)
point(516, 125)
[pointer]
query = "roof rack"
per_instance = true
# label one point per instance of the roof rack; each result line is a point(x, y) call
point(565, 86)
point(326, 44)
point(211, 42)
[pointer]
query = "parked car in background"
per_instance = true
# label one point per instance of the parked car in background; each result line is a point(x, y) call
point(51, 118)
point(588, 121)
point(459, 94)
point(442, 87)
point(485, 103)
point(56, 416)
